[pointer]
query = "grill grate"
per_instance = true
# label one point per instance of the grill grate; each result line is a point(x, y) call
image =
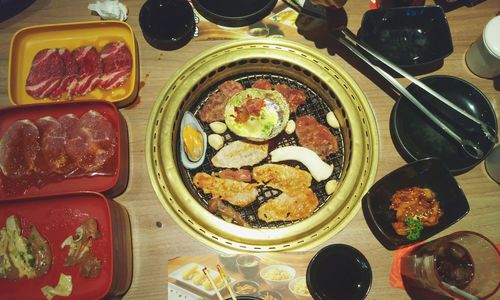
point(314, 106)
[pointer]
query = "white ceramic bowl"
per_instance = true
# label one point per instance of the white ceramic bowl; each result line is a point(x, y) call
point(277, 276)
point(292, 286)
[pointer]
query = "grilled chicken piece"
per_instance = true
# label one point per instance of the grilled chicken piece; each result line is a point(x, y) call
point(415, 202)
point(235, 192)
point(289, 208)
point(238, 154)
point(282, 177)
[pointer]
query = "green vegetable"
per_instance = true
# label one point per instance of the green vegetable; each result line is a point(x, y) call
point(414, 226)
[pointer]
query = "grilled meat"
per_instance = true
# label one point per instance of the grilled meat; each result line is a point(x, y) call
point(238, 154)
point(282, 177)
point(235, 192)
point(289, 207)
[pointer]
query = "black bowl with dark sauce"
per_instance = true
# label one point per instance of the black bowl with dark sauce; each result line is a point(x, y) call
point(167, 24)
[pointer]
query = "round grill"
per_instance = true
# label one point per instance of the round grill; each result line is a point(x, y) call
point(327, 87)
point(314, 106)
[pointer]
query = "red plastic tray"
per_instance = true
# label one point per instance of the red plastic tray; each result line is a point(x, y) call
point(109, 184)
point(56, 218)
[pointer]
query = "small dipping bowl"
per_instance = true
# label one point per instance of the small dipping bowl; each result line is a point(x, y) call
point(248, 265)
point(228, 260)
point(246, 288)
point(339, 271)
point(167, 24)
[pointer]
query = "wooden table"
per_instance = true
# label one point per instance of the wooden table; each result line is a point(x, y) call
point(156, 237)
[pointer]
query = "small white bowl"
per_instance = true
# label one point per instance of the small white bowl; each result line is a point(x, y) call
point(291, 285)
point(277, 276)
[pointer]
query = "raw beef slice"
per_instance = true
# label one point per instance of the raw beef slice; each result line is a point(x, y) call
point(52, 153)
point(91, 141)
point(45, 74)
point(70, 73)
point(89, 73)
point(19, 148)
point(116, 62)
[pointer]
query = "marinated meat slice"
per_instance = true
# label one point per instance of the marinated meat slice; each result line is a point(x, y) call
point(262, 84)
point(80, 249)
point(91, 142)
point(238, 154)
point(70, 73)
point(213, 109)
point(230, 88)
point(235, 192)
point(289, 208)
point(315, 136)
point(52, 142)
point(229, 214)
point(116, 64)
point(90, 71)
point(294, 97)
point(19, 148)
point(47, 70)
point(282, 177)
point(41, 251)
point(242, 175)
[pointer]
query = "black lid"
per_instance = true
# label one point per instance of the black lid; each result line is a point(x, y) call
point(167, 24)
point(233, 13)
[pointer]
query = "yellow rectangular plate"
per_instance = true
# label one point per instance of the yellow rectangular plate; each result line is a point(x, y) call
point(28, 41)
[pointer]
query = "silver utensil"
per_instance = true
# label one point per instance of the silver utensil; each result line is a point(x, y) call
point(471, 148)
point(488, 131)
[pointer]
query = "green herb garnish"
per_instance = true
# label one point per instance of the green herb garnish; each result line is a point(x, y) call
point(414, 227)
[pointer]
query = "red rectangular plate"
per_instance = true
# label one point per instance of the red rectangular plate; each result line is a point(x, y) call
point(56, 218)
point(111, 184)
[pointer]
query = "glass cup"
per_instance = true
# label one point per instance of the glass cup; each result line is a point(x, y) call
point(461, 265)
point(492, 164)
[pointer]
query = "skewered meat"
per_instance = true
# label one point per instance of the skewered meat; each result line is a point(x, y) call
point(19, 148)
point(238, 154)
point(415, 202)
point(285, 178)
point(289, 207)
point(315, 136)
point(213, 109)
point(235, 192)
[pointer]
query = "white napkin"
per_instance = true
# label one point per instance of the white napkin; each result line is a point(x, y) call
point(110, 9)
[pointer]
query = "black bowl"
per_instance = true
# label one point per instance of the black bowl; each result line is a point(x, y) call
point(416, 137)
point(339, 271)
point(248, 265)
point(429, 173)
point(233, 13)
point(408, 36)
point(167, 24)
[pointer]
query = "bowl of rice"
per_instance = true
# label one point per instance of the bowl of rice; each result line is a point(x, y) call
point(298, 287)
point(277, 276)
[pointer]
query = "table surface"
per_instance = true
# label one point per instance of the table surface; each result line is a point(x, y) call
point(157, 238)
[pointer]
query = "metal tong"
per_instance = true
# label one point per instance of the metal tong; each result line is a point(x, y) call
point(350, 41)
